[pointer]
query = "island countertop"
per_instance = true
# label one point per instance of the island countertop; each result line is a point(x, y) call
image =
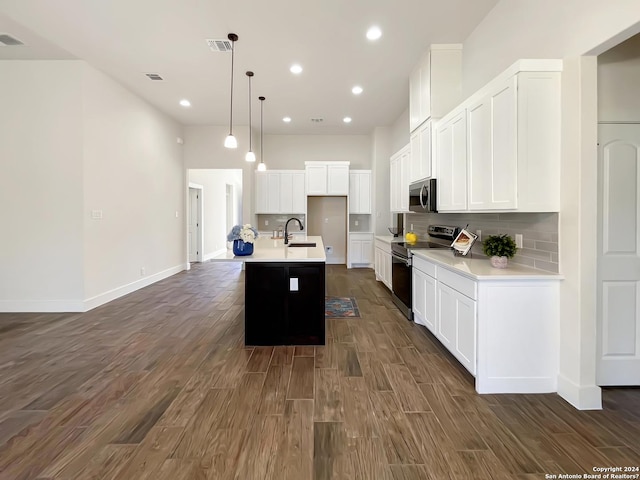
point(266, 249)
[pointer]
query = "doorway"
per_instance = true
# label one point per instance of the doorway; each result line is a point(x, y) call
point(195, 227)
point(618, 279)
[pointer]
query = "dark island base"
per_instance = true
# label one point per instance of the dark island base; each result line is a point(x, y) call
point(276, 313)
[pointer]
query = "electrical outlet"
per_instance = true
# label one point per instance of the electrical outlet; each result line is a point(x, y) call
point(479, 233)
point(356, 223)
point(266, 223)
point(142, 272)
point(412, 227)
point(329, 249)
point(326, 220)
point(519, 240)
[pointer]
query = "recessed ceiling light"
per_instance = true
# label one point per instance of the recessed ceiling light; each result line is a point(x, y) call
point(346, 119)
point(374, 33)
point(357, 90)
point(286, 119)
point(295, 68)
point(185, 103)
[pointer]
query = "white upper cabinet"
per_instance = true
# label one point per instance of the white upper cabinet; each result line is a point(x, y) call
point(280, 191)
point(451, 154)
point(512, 143)
point(435, 84)
point(420, 168)
point(399, 180)
point(360, 191)
point(327, 178)
point(492, 149)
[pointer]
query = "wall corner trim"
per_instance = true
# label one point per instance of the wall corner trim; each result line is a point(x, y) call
point(587, 397)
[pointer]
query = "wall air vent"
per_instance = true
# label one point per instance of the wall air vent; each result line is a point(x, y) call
point(9, 41)
point(223, 45)
point(154, 76)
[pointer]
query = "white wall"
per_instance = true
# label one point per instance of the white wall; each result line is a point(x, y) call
point(40, 186)
point(400, 132)
point(73, 141)
point(381, 153)
point(133, 172)
point(517, 29)
point(214, 198)
point(546, 28)
point(619, 83)
point(291, 151)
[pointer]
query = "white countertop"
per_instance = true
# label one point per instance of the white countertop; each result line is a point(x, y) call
point(266, 249)
point(479, 267)
point(389, 238)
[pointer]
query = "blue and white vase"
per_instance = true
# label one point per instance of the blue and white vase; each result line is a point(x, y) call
point(241, 248)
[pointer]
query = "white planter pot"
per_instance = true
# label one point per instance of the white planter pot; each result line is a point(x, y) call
point(499, 262)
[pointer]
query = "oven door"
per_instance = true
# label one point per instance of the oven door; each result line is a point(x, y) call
point(401, 283)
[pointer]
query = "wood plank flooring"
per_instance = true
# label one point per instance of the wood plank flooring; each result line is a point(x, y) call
point(158, 385)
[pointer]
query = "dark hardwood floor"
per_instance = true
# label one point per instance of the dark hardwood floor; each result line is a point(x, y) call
point(158, 385)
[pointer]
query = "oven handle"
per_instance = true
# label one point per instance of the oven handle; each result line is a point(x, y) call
point(406, 261)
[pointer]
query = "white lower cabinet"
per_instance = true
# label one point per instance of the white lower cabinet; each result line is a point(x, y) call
point(382, 262)
point(360, 249)
point(424, 296)
point(503, 331)
point(457, 326)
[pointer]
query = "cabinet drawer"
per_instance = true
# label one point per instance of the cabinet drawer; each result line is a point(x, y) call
point(464, 285)
point(424, 266)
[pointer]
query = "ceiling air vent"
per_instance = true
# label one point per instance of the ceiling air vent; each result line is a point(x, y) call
point(9, 41)
point(154, 76)
point(317, 120)
point(219, 45)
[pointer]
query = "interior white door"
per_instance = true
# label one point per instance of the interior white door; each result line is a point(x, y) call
point(194, 226)
point(618, 346)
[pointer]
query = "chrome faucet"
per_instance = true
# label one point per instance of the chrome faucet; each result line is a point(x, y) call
point(286, 229)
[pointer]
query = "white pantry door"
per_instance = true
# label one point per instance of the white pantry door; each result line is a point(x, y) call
point(618, 346)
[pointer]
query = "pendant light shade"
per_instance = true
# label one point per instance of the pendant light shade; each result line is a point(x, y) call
point(261, 166)
point(250, 156)
point(230, 141)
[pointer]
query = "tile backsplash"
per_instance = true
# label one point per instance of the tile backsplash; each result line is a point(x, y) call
point(269, 223)
point(539, 231)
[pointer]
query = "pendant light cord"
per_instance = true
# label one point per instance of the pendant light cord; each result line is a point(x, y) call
point(233, 51)
point(261, 129)
point(250, 74)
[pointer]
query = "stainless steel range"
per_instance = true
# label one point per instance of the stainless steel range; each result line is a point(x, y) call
point(401, 264)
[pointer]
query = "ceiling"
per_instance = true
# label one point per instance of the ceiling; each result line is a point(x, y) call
point(126, 39)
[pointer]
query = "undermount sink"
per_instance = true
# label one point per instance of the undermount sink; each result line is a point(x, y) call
point(302, 244)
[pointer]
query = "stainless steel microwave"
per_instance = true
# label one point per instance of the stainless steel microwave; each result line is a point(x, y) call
point(422, 196)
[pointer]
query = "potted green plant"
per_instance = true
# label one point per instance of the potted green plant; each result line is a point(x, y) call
point(500, 248)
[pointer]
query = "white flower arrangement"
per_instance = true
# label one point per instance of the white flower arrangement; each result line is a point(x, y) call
point(245, 232)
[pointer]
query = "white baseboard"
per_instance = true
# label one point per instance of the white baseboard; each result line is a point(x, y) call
point(93, 302)
point(44, 306)
point(583, 398)
point(209, 256)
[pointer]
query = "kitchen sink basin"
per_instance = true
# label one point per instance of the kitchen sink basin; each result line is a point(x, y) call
point(302, 244)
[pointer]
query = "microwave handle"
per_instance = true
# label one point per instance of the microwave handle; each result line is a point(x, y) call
point(422, 191)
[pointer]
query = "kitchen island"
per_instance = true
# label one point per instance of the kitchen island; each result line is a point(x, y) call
point(284, 292)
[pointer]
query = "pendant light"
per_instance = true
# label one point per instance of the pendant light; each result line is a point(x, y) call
point(250, 156)
point(261, 166)
point(230, 141)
